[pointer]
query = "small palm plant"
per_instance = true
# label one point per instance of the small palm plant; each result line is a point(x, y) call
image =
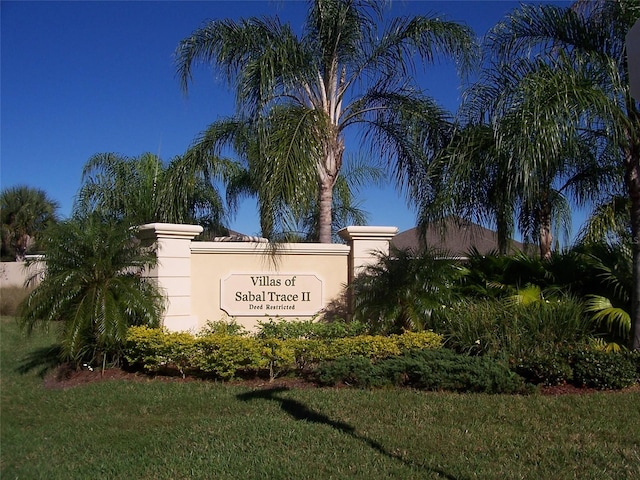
point(92, 289)
point(611, 308)
point(403, 290)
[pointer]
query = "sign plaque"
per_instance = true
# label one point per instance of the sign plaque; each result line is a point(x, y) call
point(271, 294)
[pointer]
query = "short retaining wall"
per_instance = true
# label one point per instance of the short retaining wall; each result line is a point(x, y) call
point(253, 280)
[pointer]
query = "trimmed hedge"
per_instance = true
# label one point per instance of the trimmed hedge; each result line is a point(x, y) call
point(603, 370)
point(582, 367)
point(440, 369)
point(226, 356)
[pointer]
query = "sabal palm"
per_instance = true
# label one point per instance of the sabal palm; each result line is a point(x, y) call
point(304, 93)
point(596, 99)
point(25, 213)
point(142, 190)
point(92, 290)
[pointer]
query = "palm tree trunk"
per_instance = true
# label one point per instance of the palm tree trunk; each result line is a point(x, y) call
point(328, 174)
point(545, 230)
point(324, 214)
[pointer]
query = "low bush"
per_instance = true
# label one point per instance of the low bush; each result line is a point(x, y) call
point(226, 356)
point(353, 371)
point(309, 329)
point(440, 369)
point(604, 370)
point(230, 327)
point(545, 369)
point(512, 331)
point(155, 350)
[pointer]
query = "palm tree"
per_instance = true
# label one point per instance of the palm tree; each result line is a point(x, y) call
point(512, 159)
point(142, 190)
point(282, 217)
point(403, 290)
point(25, 212)
point(93, 290)
point(593, 98)
point(303, 93)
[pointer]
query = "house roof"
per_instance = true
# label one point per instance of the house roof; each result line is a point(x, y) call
point(454, 236)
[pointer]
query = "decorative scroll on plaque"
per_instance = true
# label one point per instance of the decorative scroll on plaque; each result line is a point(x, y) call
point(283, 295)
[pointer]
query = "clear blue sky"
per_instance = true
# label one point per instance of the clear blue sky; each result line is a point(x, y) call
point(80, 78)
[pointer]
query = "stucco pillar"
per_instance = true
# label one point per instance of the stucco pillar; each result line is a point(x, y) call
point(173, 271)
point(365, 242)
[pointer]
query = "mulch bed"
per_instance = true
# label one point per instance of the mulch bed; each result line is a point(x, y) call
point(67, 377)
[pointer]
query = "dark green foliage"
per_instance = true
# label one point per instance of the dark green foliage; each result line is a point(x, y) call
point(93, 290)
point(583, 367)
point(25, 213)
point(634, 355)
point(353, 371)
point(597, 272)
point(446, 370)
point(551, 368)
point(403, 290)
point(424, 369)
point(144, 189)
point(511, 330)
point(603, 370)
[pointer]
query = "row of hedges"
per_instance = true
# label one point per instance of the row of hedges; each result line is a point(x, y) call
point(226, 356)
point(410, 359)
point(581, 367)
point(441, 369)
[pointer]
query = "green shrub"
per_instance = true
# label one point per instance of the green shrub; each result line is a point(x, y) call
point(445, 370)
point(311, 352)
point(94, 288)
point(230, 327)
point(603, 370)
point(508, 330)
point(424, 369)
point(156, 350)
point(310, 329)
point(546, 369)
point(226, 355)
point(355, 371)
point(635, 358)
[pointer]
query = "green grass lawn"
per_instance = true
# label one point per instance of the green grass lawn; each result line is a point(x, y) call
point(171, 430)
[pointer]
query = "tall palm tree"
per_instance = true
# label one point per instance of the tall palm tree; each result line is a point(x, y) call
point(511, 158)
point(281, 216)
point(143, 189)
point(594, 98)
point(93, 291)
point(303, 93)
point(25, 213)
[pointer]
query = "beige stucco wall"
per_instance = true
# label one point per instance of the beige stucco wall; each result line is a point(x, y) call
point(16, 274)
point(214, 264)
point(253, 280)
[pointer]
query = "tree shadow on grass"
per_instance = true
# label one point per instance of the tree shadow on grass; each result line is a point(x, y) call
point(300, 411)
point(43, 359)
